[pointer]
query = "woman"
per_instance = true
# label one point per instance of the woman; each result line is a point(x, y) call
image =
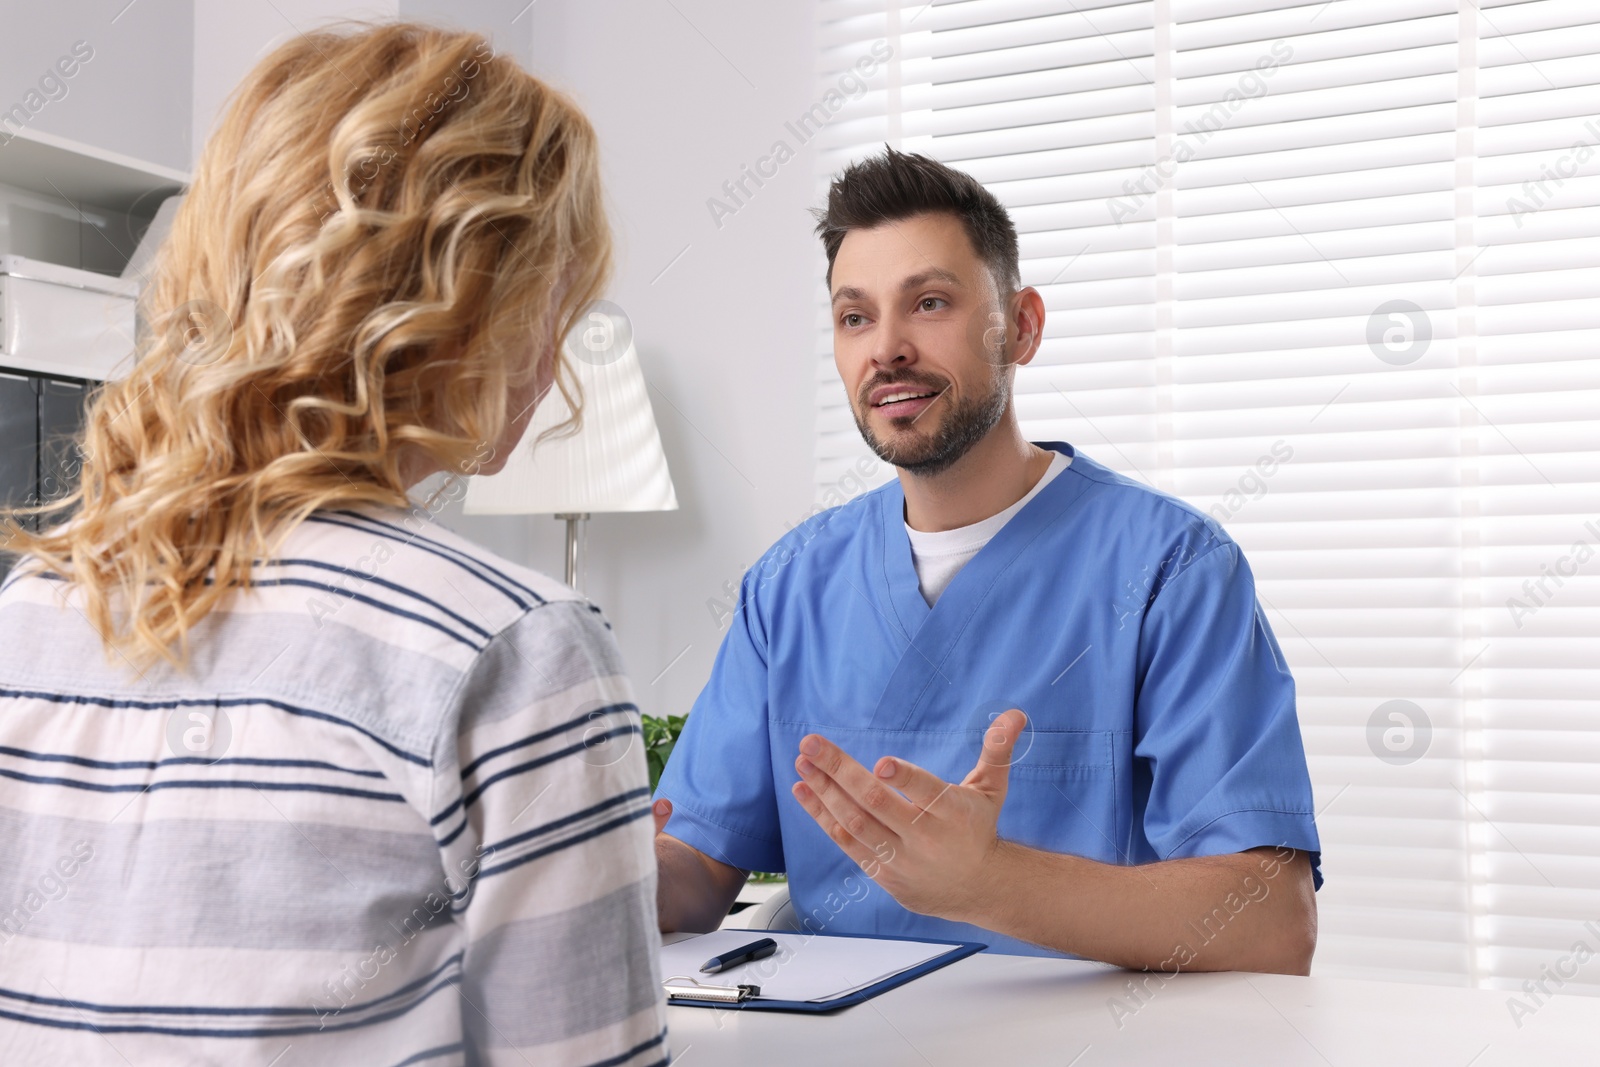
point(286, 769)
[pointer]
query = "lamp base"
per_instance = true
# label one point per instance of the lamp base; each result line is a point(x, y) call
point(574, 522)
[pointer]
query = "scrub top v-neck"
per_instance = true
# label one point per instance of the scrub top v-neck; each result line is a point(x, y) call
point(938, 555)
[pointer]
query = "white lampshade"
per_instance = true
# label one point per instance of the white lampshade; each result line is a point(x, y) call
point(613, 463)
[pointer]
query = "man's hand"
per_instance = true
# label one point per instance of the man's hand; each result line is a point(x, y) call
point(693, 891)
point(927, 841)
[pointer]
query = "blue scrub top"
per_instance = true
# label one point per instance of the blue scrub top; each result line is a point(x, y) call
point(1161, 712)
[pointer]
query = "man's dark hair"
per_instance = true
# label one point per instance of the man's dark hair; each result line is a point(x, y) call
point(899, 185)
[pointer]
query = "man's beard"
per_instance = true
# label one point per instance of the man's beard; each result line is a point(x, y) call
point(964, 425)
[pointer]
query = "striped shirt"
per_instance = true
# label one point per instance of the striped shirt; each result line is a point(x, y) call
point(395, 811)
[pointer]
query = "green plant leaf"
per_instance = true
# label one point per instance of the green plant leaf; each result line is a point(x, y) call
point(660, 737)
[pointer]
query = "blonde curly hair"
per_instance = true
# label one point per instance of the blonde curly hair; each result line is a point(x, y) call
point(383, 235)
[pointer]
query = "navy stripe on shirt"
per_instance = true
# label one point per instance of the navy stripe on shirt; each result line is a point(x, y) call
point(419, 989)
point(219, 1011)
point(364, 577)
point(107, 1027)
point(199, 783)
point(568, 820)
point(222, 702)
point(432, 548)
point(522, 768)
point(549, 827)
point(431, 1054)
point(587, 835)
point(624, 1057)
point(544, 735)
point(455, 552)
point(176, 761)
point(370, 602)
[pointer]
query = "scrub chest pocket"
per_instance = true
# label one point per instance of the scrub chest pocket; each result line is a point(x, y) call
point(1063, 794)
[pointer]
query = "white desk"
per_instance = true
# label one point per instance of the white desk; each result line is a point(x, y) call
point(1008, 1010)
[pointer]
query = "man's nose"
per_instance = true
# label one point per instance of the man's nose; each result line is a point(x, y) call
point(892, 348)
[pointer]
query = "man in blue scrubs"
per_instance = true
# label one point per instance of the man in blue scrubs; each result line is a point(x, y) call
point(1010, 697)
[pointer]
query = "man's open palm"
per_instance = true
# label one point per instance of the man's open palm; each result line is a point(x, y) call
point(925, 840)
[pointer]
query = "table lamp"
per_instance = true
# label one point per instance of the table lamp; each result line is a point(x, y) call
point(613, 463)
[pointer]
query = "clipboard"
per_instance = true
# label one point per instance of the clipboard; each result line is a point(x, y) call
point(690, 992)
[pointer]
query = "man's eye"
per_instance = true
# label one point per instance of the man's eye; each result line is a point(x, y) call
point(851, 320)
point(936, 302)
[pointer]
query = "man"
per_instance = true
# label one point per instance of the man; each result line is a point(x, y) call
point(1035, 702)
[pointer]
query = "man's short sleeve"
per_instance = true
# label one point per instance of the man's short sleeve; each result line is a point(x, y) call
point(1215, 720)
point(719, 777)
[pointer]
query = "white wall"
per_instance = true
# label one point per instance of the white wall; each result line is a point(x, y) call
point(230, 35)
point(131, 96)
point(507, 23)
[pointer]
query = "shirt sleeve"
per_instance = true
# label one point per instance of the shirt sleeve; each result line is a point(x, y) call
point(1215, 720)
point(719, 777)
point(543, 821)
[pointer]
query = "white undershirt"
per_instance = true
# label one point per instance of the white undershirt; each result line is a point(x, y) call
point(940, 555)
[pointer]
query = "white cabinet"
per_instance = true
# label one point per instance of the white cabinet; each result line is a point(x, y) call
point(65, 322)
point(61, 203)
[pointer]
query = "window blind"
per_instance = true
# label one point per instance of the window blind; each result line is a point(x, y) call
point(1328, 271)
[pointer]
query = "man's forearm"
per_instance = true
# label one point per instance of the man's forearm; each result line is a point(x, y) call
point(691, 894)
point(1251, 911)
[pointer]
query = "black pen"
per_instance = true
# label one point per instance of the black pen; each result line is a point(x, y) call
point(755, 950)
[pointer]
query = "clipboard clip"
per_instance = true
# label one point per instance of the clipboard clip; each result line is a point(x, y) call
point(696, 990)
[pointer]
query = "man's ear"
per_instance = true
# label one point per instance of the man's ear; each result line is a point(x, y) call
point(1027, 315)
